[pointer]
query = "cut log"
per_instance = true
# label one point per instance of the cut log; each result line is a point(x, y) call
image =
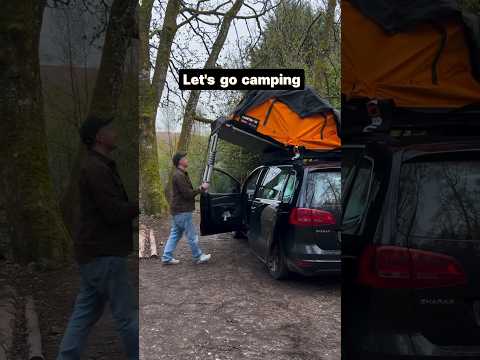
point(7, 319)
point(153, 244)
point(34, 338)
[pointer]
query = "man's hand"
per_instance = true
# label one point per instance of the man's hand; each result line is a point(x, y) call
point(204, 186)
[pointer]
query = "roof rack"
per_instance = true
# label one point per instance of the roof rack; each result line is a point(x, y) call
point(301, 155)
point(270, 150)
point(380, 120)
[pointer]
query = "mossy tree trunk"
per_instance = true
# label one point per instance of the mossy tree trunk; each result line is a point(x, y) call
point(153, 201)
point(108, 87)
point(39, 233)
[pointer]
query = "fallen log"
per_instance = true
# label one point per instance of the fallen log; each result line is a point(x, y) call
point(7, 320)
point(34, 338)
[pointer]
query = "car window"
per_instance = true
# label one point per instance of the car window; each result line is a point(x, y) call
point(251, 184)
point(222, 183)
point(439, 200)
point(350, 157)
point(273, 182)
point(357, 201)
point(289, 191)
point(323, 189)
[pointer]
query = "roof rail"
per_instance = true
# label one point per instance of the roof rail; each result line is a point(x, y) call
point(301, 154)
point(381, 120)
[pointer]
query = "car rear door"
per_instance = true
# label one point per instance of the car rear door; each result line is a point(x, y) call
point(322, 198)
point(221, 207)
point(360, 183)
point(263, 212)
point(439, 217)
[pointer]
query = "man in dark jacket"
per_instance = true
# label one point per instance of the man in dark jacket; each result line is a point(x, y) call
point(102, 244)
point(182, 207)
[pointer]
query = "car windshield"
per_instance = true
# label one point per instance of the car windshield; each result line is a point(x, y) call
point(440, 200)
point(323, 189)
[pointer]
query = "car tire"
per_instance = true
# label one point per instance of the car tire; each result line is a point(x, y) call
point(276, 264)
point(239, 235)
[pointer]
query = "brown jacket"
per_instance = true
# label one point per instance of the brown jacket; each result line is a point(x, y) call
point(105, 224)
point(183, 194)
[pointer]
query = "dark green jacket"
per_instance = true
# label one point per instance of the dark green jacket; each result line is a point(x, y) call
point(183, 194)
point(105, 226)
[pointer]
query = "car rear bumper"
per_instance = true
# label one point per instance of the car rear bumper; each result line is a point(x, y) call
point(406, 346)
point(309, 259)
point(314, 267)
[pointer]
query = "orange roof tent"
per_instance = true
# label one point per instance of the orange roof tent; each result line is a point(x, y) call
point(425, 64)
point(288, 118)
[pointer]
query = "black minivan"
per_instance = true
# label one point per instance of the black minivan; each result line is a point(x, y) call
point(411, 250)
point(288, 211)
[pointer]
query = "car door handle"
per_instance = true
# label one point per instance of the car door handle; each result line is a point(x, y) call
point(255, 205)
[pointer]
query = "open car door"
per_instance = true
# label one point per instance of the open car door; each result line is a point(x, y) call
point(221, 207)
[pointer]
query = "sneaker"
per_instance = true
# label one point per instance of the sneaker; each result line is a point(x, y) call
point(171, 262)
point(203, 258)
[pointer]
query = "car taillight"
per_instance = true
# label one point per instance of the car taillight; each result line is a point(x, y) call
point(398, 267)
point(311, 217)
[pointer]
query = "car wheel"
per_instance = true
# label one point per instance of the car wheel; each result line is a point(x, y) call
point(239, 235)
point(277, 267)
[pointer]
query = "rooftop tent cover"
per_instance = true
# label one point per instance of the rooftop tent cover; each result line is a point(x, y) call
point(421, 54)
point(288, 118)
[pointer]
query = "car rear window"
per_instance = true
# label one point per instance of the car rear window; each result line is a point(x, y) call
point(323, 189)
point(440, 200)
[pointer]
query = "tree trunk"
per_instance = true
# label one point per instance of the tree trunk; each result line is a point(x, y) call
point(153, 200)
point(108, 86)
point(39, 233)
point(325, 43)
point(191, 107)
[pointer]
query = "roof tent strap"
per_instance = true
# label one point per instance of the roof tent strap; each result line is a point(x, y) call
point(269, 112)
point(323, 127)
point(443, 42)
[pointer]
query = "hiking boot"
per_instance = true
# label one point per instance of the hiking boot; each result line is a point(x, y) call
point(203, 258)
point(171, 262)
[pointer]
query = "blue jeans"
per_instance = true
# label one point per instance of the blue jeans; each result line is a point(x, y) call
point(182, 223)
point(103, 280)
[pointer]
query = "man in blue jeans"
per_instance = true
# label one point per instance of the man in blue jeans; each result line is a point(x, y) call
point(182, 206)
point(102, 244)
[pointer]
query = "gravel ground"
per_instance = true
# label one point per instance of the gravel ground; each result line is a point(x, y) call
point(232, 309)
point(54, 293)
point(227, 309)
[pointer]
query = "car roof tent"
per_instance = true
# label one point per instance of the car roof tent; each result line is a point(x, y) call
point(420, 54)
point(278, 124)
point(274, 120)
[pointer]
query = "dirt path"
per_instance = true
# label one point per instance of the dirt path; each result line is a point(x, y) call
point(231, 308)
point(54, 293)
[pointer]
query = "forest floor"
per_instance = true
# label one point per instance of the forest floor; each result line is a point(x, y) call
point(230, 308)
point(54, 293)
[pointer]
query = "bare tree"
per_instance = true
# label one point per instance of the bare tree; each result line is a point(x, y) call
point(191, 107)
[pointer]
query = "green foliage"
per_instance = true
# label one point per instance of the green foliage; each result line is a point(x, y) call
point(235, 160)
point(196, 157)
point(471, 5)
point(295, 37)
